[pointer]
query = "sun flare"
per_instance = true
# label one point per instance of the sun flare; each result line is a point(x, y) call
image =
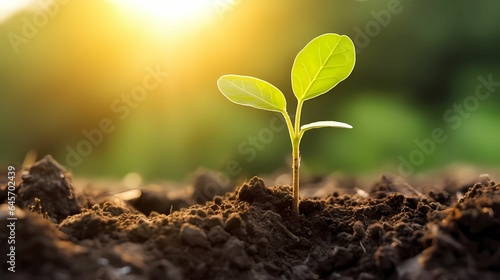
point(9, 7)
point(168, 11)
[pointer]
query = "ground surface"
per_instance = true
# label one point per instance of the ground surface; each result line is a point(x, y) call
point(250, 233)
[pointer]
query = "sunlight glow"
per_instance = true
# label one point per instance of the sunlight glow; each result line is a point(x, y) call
point(8, 7)
point(169, 11)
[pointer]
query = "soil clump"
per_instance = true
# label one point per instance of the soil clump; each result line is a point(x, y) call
point(251, 233)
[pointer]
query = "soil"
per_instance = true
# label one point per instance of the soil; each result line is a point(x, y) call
point(251, 233)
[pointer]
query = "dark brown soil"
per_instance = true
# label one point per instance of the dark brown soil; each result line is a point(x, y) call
point(251, 233)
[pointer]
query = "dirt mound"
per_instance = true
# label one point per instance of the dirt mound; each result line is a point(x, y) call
point(251, 233)
point(467, 241)
point(47, 188)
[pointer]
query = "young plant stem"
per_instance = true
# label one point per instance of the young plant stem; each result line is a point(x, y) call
point(295, 174)
point(296, 158)
point(295, 136)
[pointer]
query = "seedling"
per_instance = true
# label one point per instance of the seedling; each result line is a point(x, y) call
point(323, 63)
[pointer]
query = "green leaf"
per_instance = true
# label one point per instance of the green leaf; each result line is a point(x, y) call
point(323, 63)
point(253, 92)
point(321, 124)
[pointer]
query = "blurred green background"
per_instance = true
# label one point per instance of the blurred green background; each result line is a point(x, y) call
point(68, 65)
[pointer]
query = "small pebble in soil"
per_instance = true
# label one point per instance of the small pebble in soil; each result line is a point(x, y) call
point(376, 232)
point(252, 249)
point(218, 235)
point(194, 236)
point(359, 229)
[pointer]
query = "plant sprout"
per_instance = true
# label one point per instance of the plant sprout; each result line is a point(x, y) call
point(323, 63)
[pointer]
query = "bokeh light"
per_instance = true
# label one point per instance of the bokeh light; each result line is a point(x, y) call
point(70, 69)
